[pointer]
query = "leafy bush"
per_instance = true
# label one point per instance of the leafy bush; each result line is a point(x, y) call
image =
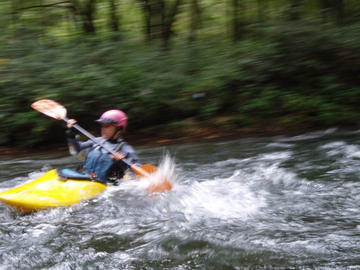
point(296, 71)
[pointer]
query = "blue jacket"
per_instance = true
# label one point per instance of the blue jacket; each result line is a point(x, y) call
point(98, 162)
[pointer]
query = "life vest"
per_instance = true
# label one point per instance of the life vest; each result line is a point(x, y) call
point(98, 163)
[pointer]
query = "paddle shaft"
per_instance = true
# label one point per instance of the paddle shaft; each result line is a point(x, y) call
point(135, 168)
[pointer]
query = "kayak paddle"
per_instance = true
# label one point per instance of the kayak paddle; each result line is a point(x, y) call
point(55, 110)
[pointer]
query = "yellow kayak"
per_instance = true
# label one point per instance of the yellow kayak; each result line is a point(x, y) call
point(49, 191)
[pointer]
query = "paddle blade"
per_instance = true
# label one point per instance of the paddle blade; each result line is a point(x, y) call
point(158, 182)
point(50, 108)
point(160, 185)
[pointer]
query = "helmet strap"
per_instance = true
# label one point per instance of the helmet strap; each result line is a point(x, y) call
point(116, 132)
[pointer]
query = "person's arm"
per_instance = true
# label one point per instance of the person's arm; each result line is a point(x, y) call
point(126, 152)
point(75, 146)
point(130, 155)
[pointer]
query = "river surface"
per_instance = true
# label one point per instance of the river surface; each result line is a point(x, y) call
point(284, 202)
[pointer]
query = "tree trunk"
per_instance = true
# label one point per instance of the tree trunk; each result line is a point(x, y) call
point(339, 8)
point(85, 12)
point(159, 19)
point(294, 11)
point(236, 21)
point(14, 18)
point(195, 19)
point(262, 10)
point(167, 29)
point(325, 7)
point(333, 10)
point(147, 18)
point(114, 17)
point(153, 15)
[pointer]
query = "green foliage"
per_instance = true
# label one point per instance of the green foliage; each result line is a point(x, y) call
point(295, 73)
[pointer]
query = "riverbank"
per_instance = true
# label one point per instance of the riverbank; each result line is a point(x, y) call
point(221, 128)
point(188, 131)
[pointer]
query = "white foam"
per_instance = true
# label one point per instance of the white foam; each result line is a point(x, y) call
point(221, 198)
point(231, 161)
point(41, 230)
point(283, 155)
point(280, 145)
point(332, 145)
point(348, 151)
point(310, 135)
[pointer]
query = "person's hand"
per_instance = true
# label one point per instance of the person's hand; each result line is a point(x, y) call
point(118, 156)
point(70, 123)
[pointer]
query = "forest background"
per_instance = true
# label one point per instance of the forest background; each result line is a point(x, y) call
point(179, 68)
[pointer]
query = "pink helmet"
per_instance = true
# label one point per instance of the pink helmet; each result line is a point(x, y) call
point(116, 117)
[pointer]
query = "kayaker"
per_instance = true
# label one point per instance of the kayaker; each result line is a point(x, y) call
point(99, 164)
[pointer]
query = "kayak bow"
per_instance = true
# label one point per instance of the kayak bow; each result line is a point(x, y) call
point(49, 191)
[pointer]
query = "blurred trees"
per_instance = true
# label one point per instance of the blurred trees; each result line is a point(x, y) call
point(160, 18)
point(291, 63)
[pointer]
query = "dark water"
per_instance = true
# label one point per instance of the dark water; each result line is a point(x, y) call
point(260, 203)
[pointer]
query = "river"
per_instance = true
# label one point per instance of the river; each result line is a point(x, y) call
point(283, 202)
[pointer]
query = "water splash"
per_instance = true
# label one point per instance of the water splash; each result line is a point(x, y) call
point(226, 199)
point(164, 177)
